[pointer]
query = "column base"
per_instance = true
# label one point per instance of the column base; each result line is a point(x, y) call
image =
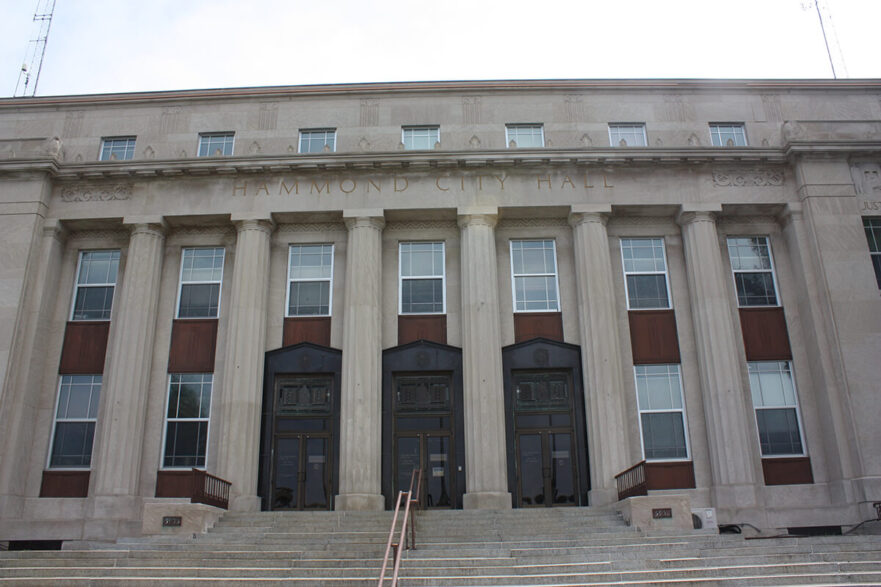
point(602, 496)
point(486, 500)
point(359, 502)
point(245, 503)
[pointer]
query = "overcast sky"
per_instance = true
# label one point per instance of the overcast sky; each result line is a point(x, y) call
point(127, 45)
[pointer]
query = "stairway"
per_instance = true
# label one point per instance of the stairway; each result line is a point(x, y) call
point(565, 546)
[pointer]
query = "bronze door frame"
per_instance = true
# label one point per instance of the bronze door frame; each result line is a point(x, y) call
point(302, 464)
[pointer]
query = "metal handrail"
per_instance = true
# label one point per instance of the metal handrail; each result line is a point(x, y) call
point(632, 482)
point(410, 502)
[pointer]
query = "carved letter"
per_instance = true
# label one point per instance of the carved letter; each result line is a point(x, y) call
point(605, 183)
point(262, 188)
point(566, 180)
point(344, 190)
point(243, 187)
point(502, 180)
point(315, 185)
point(586, 183)
point(546, 178)
point(294, 186)
point(406, 184)
point(377, 186)
point(437, 183)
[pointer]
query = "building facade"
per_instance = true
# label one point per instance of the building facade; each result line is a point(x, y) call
point(522, 289)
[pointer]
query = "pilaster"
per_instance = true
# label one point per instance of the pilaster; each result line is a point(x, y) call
point(485, 450)
point(600, 351)
point(733, 449)
point(240, 400)
point(361, 398)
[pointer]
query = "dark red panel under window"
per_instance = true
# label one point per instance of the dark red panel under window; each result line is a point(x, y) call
point(653, 337)
point(85, 344)
point(192, 346)
point(431, 327)
point(674, 475)
point(65, 484)
point(529, 325)
point(788, 471)
point(174, 483)
point(764, 334)
point(314, 329)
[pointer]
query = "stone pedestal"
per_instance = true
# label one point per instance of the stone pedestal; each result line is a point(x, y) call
point(608, 442)
point(732, 447)
point(118, 443)
point(240, 399)
point(361, 397)
point(485, 450)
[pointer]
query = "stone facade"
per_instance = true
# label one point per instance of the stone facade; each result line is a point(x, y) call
point(582, 171)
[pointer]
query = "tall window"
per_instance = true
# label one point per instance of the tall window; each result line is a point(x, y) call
point(524, 135)
point(75, 416)
point(627, 135)
point(95, 284)
point(645, 273)
point(774, 399)
point(727, 134)
point(318, 140)
point(534, 276)
point(310, 276)
point(216, 144)
point(201, 274)
point(661, 412)
point(753, 271)
point(421, 278)
point(186, 419)
point(117, 148)
point(873, 235)
point(420, 137)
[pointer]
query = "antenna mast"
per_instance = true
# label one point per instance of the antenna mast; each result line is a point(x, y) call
point(36, 50)
point(833, 50)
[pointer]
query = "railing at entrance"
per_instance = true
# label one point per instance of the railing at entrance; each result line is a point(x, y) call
point(410, 499)
point(210, 490)
point(632, 481)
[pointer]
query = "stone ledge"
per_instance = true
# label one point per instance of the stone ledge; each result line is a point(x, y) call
point(196, 518)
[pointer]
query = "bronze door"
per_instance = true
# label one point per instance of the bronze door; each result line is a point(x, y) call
point(301, 476)
point(431, 453)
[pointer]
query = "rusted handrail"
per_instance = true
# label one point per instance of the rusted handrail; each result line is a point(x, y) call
point(210, 489)
point(410, 500)
point(632, 481)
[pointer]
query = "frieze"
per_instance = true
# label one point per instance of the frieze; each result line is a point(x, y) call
point(747, 178)
point(121, 235)
point(533, 223)
point(96, 193)
point(313, 227)
point(422, 225)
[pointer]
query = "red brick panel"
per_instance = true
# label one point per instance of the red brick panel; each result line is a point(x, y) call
point(422, 327)
point(85, 344)
point(653, 337)
point(764, 334)
point(788, 471)
point(529, 325)
point(674, 475)
point(307, 329)
point(192, 346)
point(174, 483)
point(65, 484)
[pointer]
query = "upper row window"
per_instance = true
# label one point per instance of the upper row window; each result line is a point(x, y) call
point(417, 138)
point(117, 148)
point(727, 134)
point(524, 136)
point(216, 144)
point(318, 140)
point(95, 283)
point(627, 135)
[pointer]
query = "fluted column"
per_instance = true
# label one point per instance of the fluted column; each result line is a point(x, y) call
point(241, 397)
point(600, 351)
point(361, 405)
point(125, 388)
point(485, 454)
point(733, 449)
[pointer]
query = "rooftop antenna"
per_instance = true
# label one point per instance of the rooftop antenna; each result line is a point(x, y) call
point(33, 61)
point(824, 15)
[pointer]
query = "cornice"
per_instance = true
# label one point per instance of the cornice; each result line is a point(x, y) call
point(483, 86)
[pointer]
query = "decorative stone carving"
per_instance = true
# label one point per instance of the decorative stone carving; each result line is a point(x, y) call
point(747, 177)
point(693, 140)
point(471, 109)
point(96, 193)
point(866, 178)
point(474, 143)
point(364, 144)
point(369, 113)
point(149, 153)
point(586, 141)
point(52, 147)
point(254, 148)
point(792, 130)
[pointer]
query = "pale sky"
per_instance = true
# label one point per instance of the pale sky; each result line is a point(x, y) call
point(98, 46)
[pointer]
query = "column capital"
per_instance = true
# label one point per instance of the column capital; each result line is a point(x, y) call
point(582, 213)
point(477, 215)
point(152, 225)
point(265, 225)
point(55, 229)
point(364, 218)
point(791, 211)
point(691, 213)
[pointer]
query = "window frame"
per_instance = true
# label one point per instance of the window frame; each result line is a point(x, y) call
point(514, 275)
point(772, 270)
point(616, 126)
point(420, 127)
point(715, 128)
point(329, 280)
point(128, 149)
point(627, 273)
point(796, 407)
point(181, 283)
point(402, 278)
point(217, 134)
point(308, 131)
point(56, 420)
point(524, 125)
point(873, 224)
point(166, 420)
point(681, 411)
point(77, 286)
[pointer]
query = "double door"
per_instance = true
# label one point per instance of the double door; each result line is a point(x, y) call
point(301, 478)
point(546, 471)
point(430, 452)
